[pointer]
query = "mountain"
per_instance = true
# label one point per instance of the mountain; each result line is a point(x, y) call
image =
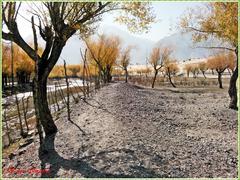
point(181, 43)
point(184, 48)
point(142, 47)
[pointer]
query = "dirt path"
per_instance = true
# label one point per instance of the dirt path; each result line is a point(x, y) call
point(136, 132)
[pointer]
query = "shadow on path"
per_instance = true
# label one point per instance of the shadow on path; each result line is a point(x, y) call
point(49, 156)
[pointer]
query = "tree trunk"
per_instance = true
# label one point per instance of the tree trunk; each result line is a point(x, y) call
point(68, 97)
point(55, 95)
point(20, 118)
point(154, 78)
point(212, 72)
point(203, 74)
point(42, 111)
point(12, 69)
point(232, 91)
point(170, 79)
point(126, 76)
point(220, 80)
point(229, 71)
point(25, 110)
point(7, 127)
point(108, 74)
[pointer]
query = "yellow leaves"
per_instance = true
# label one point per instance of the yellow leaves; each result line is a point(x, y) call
point(76, 26)
point(171, 67)
point(104, 51)
point(192, 67)
point(218, 19)
point(159, 55)
point(202, 66)
point(21, 61)
point(137, 16)
point(222, 61)
point(72, 71)
point(58, 71)
point(124, 59)
point(155, 57)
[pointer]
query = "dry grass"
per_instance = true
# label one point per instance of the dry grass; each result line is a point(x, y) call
point(178, 81)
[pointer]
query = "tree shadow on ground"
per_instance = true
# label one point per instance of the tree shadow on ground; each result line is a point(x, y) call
point(99, 106)
point(50, 157)
point(80, 129)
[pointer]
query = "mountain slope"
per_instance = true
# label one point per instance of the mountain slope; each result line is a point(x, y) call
point(184, 48)
point(181, 43)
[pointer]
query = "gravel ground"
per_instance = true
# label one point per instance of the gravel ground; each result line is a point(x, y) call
point(130, 131)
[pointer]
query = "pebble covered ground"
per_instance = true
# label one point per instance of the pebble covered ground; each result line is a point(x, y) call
point(130, 131)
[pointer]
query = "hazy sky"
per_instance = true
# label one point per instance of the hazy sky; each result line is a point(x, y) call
point(167, 14)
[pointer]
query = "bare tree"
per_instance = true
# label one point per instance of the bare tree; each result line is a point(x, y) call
point(7, 127)
point(19, 117)
point(68, 98)
point(84, 59)
point(25, 110)
point(55, 95)
point(12, 69)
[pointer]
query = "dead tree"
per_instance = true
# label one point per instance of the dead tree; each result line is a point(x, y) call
point(53, 99)
point(12, 69)
point(19, 117)
point(40, 90)
point(7, 127)
point(72, 94)
point(25, 110)
point(84, 58)
point(79, 87)
point(68, 98)
point(76, 87)
point(55, 95)
point(61, 93)
point(48, 99)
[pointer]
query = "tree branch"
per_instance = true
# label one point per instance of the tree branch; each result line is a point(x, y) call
point(216, 47)
point(202, 31)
